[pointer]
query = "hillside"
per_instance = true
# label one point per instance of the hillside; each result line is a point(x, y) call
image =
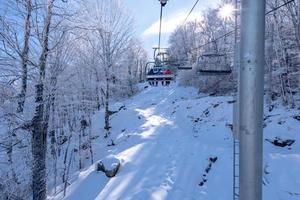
point(176, 144)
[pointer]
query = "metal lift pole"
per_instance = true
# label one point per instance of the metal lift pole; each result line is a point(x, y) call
point(251, 99)
point(235, 193)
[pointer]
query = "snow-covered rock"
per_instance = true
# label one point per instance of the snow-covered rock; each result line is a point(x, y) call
point(109, 165)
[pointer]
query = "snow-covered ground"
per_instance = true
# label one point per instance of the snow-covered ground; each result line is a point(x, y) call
point(166, 139)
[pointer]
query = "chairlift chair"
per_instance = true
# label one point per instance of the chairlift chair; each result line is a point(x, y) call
point(158, 73)
point(181, 64)
point(213, 64)
point(184, 67)
point(184, 64)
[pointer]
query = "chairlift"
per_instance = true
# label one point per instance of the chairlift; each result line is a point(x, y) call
point(213, 64)
point(166, 59)
point(158, 72)
point(183, 66)
point(179, 64)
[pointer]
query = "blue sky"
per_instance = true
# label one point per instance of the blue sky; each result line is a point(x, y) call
point(146, 14)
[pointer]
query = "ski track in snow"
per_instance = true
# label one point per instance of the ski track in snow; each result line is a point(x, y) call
point(164, 149)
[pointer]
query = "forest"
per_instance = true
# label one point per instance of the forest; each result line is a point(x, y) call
point(217, 35)
point(61, 61)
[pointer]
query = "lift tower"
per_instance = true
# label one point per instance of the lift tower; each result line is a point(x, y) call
point(251, 99)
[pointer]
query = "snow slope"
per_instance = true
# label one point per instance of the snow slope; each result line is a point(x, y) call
point(165, 138)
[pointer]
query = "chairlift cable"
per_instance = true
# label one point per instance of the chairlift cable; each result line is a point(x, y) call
point(233, 31)
point(278, 7)
point(191, 11)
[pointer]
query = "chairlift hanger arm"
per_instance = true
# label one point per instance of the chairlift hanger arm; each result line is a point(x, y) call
point(163, 2)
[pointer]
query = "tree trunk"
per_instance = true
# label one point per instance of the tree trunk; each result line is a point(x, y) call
point(130, 80)
point(90, 140)
point(53, 131)
point(40, 119)
point(9, 152)
point(270, 50)
point(107, 113)
point(67, 172)
point(54, 156)
point(79, 150)
point(24, 57)
point(98, 104)
point(65, 169)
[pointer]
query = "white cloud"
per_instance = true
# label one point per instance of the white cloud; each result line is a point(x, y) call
point(170, 23)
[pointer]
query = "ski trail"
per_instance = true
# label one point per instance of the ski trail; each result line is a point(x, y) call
point(161, 159)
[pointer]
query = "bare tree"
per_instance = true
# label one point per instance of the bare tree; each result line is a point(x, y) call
point(12, 41)
point(40, 120)
point(72, 64)
point(24, 55)
point(113, 31)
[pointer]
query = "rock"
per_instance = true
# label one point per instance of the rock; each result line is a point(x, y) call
point(99, 167)
point(229, 126)
point(111, 144)
point(109, 165)
point(264, 125)
point(231, 102)
point(84, 124)
point(297, 117)
point(206, 112)
point(213, 159)
point(207, 169)
point(281, 142)
point(197, 120)
point(215, 105)
point(271, 107)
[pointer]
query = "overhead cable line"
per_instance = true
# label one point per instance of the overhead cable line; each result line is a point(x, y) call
point(233, 31)
point(191, 11)
point(274, 9)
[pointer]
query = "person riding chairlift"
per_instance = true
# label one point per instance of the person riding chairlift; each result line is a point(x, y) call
point(168, 71)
